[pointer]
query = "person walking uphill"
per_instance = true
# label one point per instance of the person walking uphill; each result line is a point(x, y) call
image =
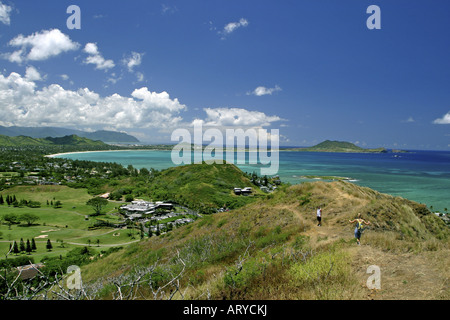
point(359, 227)
point(319, 216)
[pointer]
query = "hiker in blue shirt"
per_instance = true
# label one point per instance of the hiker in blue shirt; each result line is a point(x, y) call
point(359, 227)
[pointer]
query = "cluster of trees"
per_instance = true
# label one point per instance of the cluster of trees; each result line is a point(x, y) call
point(262, 180)
point(12, 200)
point(15, 262)
point(22, 247)
point(12, 218)
point(28, 247)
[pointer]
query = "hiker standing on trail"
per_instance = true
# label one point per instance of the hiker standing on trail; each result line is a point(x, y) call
point(319, 216)
point(359, 227)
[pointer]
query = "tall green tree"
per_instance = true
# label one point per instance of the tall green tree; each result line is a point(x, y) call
point(10, 218)
point(28, 247)
point(97, 204)
point(57, 204)
point(49, 245)
point(22, 245)
point(15, 248)
point(29, 218)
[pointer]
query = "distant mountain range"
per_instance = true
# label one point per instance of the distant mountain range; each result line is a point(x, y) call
point(43, 132)
point(72, 140)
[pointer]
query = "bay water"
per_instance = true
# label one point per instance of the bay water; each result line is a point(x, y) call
point(421, 176)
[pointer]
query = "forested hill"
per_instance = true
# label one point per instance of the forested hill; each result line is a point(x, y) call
point(72, 140)
point(202, 186)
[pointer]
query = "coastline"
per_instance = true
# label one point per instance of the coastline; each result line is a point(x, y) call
point(77, 152)
point(224, 150)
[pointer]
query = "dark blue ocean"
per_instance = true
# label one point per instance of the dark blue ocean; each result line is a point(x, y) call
point(422, 176)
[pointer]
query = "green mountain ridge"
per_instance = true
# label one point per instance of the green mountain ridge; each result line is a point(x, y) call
point(72, 140)
point(43, 132)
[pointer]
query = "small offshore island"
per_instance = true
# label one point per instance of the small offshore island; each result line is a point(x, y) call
point(339, 146)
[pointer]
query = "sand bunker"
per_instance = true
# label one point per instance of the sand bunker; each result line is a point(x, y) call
point(42, 236)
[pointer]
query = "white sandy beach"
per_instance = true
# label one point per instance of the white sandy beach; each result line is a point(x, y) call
point(76, 152)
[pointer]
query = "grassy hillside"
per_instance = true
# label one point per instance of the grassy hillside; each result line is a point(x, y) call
point(338, 146)
point(72, 140)
point(273, 249)
point(202, 186)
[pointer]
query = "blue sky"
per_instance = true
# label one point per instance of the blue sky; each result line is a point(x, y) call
point(311, 69)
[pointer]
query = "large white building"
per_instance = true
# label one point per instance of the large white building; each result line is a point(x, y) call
point(144, 207)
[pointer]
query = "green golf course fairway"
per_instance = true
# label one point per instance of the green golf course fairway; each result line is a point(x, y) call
point(66, 227)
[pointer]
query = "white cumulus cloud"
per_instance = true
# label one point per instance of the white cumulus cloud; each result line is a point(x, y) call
point(25, 105)
point(233, 26)
point(262, 91)
point(444, 120)
point(5, 12)
point(135, 59)
point(132, 61)
point(40, 46)
point(231, 117)
point(95, 57)
point(32, 74)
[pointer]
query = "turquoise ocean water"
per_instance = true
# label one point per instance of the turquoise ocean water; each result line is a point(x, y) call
point(422, 176)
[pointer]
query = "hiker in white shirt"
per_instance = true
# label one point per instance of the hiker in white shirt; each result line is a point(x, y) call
point(319, 216)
